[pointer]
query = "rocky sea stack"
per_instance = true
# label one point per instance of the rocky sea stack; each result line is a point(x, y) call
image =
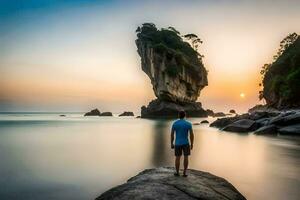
point(175, 69)
point(160, 183)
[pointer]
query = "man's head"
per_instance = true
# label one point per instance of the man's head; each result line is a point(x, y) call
point(181, 114)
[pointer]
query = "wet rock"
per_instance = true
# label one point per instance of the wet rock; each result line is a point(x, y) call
point(286, 118)
point(62, 115)
point(290, 130)
point(267, 130)
point(262, 122)
point(126, 113)
point(94, 112)
point(160, 183)
point(222, 122)
point(241, 126)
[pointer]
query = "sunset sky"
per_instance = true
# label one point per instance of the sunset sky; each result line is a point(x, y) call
point(63, 55)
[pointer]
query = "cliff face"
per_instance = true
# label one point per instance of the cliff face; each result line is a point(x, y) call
point(184, 86)
point(173, 66)
point(282, 79)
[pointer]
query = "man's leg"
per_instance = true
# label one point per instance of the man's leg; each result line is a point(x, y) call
point(185, 164)
point(177, 164)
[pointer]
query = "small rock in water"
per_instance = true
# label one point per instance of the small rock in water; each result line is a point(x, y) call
point(204, 122)
point(94, 112)
point(232, 111)
point(126, 113)
point(62, 115)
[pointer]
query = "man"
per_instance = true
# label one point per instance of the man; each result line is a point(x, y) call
point(182, 128)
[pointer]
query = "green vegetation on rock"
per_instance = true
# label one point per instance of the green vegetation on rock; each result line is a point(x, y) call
point(281, 79)
point(168, 42)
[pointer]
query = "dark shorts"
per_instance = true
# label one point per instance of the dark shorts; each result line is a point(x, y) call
point(182, 148)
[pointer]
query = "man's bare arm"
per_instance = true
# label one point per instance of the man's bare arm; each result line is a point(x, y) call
point(192, 138)
point(172, 138)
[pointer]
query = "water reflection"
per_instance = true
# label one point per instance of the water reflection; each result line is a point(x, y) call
point(161, 152)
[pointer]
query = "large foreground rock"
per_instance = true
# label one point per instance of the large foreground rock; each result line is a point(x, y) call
point(160, 183)
point(160, 108)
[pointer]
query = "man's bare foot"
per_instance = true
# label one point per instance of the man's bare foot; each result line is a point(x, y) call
point(184, 175)
point(176, 174)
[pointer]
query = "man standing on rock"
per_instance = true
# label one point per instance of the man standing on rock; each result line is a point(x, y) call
point(182, 128)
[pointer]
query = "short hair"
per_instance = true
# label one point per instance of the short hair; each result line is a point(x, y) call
point(181, 114)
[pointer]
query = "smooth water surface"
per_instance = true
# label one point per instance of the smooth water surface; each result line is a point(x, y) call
point(44, 156)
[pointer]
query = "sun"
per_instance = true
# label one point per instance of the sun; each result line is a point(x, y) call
point(242, 95)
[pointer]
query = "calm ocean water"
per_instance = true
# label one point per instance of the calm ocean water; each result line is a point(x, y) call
point(44, 156)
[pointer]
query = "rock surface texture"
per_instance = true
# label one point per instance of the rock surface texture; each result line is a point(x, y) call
point(161, 184)
point(175, 69)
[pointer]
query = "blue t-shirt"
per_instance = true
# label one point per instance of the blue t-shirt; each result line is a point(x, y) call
point(181, 128)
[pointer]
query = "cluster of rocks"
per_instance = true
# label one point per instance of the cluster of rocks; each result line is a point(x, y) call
point(96, 112)
point(262, 122)
point(211, 113)
point(160, 183)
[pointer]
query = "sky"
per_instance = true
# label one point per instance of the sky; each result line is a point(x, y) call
point(63, 55)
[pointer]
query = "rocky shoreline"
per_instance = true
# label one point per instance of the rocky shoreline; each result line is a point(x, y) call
point(160, 183)
point(262, 122)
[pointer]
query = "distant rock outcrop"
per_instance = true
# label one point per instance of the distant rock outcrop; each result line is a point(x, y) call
point(175, 69)
point(160, 183)
point(94, 112)
point(126, 113)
